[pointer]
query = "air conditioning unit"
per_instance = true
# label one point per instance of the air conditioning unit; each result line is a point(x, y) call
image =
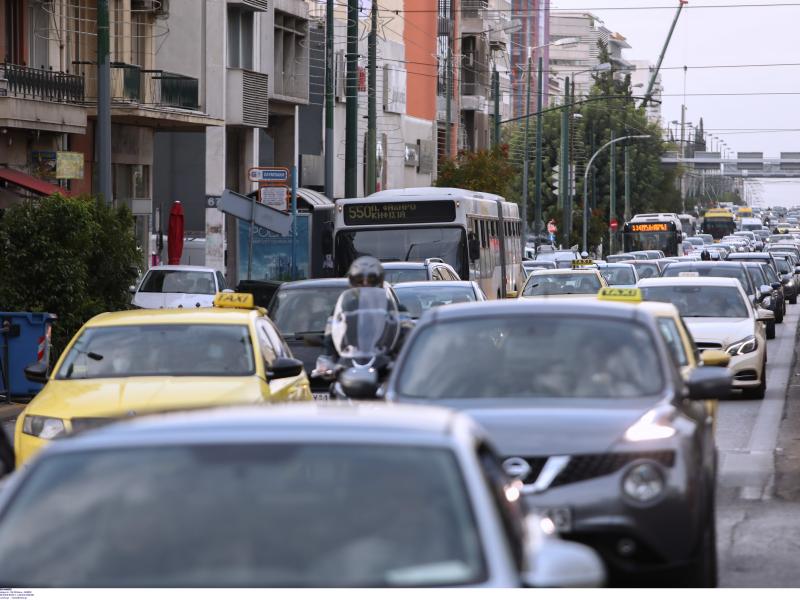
point(157, 7)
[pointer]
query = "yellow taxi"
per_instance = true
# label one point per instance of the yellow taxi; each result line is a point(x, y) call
point(134, 362)
point(675, 333)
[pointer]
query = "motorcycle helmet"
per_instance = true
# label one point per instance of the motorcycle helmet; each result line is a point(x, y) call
point(366, 271)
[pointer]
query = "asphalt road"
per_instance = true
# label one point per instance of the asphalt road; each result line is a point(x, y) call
point(758, 504)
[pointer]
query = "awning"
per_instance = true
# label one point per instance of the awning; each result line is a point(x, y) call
point(32, 184)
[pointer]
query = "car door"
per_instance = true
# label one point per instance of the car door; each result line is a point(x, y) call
point(272, 347)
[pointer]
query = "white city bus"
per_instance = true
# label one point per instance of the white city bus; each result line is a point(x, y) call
point(475, 233)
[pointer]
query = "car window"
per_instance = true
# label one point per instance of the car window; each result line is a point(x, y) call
point(163, 281)
point(221, 282)
point(618, 275)
point(159, 350)
point(269, 350)
point(437, 274)
point(700, 300)
point(297, 311)
point(546, 357)
point(711, 270)
point(757, 276)
point(646, 270)
point(424, 297)
point(546, 284)
point(409, 274)
point(669, 331)
point(295, 515)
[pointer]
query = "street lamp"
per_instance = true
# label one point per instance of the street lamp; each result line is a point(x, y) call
point(586, 184)
point(526, 160)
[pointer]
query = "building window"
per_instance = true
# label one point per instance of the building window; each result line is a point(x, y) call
point(13, 47)
point(240, 38)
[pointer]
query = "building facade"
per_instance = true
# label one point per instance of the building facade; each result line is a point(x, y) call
point(640, 79)
point(530, 38)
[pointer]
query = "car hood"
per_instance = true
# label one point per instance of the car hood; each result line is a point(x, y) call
point(552, 428)
point(125, 395)
point(156, 300)
point(719, 331)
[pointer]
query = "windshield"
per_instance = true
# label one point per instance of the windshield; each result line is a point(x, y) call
point(783, 265)
point(163, 281)
point(447, 243)
point(619, 275)
point(711, 270)
point(696, 241)
point(647, 270)
point(403, 275)
point(718, 228)
point(267, 515)
point(539, 357)
point(160, 350)
point(303, 310)
point(419, 299)
point(547, 284)
point(700, 301)
point(365, 323)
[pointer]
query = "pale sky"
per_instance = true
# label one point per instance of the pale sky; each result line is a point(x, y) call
point(713, 33)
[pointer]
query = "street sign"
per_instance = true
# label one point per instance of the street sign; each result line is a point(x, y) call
point(274, 196)
point(242, 208)
point(268, 174)
point(614, 224)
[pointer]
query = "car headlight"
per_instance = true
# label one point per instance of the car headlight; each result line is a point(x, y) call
point(654, 425)
point(46, 428)
point(745, 346)
point(644, 482)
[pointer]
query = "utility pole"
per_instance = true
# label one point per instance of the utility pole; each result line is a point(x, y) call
point(372, 122)
point(564, 166)
point(448, 92)
point(683, 155)
point(648, 94)
point(329, 106)
point(103, 136)
point(627, 215)
point(537, 182)
point(351, 116)
point(526, 159)
point(496, 92)
point(612, 193)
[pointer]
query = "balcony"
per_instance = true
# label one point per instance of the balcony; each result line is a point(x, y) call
point(475, 17)
point(126, 82)
point(41, 84)
point(171, 90)
point(41, 100)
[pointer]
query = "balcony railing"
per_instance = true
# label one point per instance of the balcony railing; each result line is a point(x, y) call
point(474, 8)
point(171, 89)
point(126, 82)
point(43, 84)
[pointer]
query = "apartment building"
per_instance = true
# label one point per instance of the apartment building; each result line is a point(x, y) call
point(530, 38)
point(640, 79)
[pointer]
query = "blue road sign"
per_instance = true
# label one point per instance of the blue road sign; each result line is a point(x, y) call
point(269, 174)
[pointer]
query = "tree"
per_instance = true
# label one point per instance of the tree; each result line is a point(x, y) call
point(73, 257)
point(487, 171)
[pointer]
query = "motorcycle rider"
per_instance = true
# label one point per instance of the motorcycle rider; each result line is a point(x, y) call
point(365, 315)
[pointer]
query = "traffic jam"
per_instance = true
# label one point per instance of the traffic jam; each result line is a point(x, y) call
point(460, 406)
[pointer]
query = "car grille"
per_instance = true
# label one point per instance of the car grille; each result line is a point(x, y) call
point(588, 466)
point(84, 423)
point(708, 346)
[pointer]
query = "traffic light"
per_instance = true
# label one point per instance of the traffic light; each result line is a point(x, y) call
point(556, 177)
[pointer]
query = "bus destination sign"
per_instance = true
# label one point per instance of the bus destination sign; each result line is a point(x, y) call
point(649, 227)
point(400, 213)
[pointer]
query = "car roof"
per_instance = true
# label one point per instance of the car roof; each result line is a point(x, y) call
point(532, 306)
point(660, 309)
point(694, 281)
point(589, 269)
point(406, 265)
point(735, 255)
point(182, 268)
point(724, 264)
point(617, 265)
point(302, 422)
point(165, 316)
point(332, 282)
point(433, 284)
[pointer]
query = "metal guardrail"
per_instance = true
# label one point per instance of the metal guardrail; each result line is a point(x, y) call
point(43, 84)
point(176, 90)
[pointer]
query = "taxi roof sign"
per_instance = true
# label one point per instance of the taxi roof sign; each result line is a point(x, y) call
point(688, 274)
point(586, 262)
point(620, 294)
point(234, 300)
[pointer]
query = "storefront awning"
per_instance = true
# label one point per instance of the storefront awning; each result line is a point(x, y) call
point(30, 183)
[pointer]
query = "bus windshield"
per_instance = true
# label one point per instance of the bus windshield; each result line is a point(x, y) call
point(719, 227)
point(648, 236)
point(403, 244)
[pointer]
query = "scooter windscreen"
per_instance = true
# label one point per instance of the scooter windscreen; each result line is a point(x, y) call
point(366, 323)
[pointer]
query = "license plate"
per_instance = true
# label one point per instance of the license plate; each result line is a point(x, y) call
point(321, 396)
point(561, 518)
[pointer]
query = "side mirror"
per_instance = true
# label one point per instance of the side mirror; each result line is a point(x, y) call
point(764, 315)
point(512, 294)
point(715, 358)
point(284, 367)
point(764, 291)
point(359, 384)
point(37, 373)
point(561, 564)
point(313, 339)
point(776, 285)
point(709, 382)
point(132, 289)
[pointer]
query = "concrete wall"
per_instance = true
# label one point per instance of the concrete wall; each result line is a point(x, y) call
point(179, 174)
point(181, 49)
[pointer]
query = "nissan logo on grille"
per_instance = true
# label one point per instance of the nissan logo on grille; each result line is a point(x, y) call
point(517, 467)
